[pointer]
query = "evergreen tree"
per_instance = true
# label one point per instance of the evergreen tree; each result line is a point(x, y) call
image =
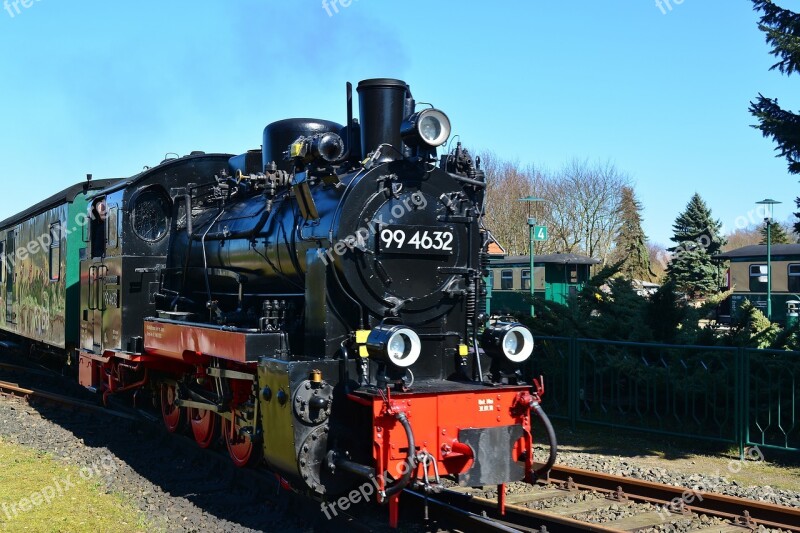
point(665, 313)
point(796, 227)
point(777, 235)
point(631, 243)
point(782, 30)
point(697, 238)
point(750, 328)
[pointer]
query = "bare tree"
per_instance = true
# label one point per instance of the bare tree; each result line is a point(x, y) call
point(742, 237)
point(584, 201)
point(659, 259)
point(506, 216)
point(581, 206)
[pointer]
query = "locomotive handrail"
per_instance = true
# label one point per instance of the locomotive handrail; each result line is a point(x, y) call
point(92, 305)
point(214, 271)
point(201, 326)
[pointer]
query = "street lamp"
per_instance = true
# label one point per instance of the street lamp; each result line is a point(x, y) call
point(769, 203)
point(532, 237)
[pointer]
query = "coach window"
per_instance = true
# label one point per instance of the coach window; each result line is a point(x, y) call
point(97, 228)
point(526, 280)
point(55, 251)
point(573, 273)
point(2, 262)
point(506, 280)
point(794, 278)
point(758, 278)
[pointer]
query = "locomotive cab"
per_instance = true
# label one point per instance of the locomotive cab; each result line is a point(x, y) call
point(127, 230)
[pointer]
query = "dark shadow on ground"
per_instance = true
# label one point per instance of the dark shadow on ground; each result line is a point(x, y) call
point(174, 465)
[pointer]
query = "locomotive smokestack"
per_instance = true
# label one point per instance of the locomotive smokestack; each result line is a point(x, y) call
point(383, 104)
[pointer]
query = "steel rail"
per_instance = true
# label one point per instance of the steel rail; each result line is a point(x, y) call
point(731, 507)
point(516, 518)
point(16, 390)
point(455, 514)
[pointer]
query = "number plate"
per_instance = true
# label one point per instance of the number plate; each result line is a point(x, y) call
point(416, 240)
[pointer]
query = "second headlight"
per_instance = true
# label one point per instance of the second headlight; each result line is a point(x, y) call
point(509, 340)
point(430, 127)
point(397, 345)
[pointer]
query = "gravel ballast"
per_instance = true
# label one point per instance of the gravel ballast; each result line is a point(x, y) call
point(714, 481)
point(176, 490)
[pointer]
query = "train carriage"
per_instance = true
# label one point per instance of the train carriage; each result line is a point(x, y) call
point(559, 277)
point(747, 277)
point(41, 249)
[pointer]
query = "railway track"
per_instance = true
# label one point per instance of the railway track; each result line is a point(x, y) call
point(264, 486)
point(581, 500)
point(571, 500)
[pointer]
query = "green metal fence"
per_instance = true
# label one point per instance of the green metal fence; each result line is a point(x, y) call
point(737, 396)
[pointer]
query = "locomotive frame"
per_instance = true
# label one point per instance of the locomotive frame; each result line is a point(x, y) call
point(320, 303)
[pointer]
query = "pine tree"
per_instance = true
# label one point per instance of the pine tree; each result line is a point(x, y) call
point(797, 216)
point(782, 30)
point(631, 242)
point(777, 235)
point(697, 238)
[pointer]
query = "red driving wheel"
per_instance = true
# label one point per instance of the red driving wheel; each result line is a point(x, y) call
point(205, 426)
point(241, 448)
point(171, 413)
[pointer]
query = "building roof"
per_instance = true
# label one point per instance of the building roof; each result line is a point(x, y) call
point(760, 251)
point(496, 250)
point(64, 197)
point(559, 259)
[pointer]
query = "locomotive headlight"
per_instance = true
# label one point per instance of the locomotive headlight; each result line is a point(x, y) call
point(430, 127)
point(328, 146)
point(398, 345)
point(509, 340)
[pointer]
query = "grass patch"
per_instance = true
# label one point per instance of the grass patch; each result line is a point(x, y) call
point(41, 494)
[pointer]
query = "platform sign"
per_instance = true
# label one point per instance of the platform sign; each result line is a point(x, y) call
point(540, 233)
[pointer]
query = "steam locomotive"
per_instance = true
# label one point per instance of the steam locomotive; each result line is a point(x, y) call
point(318, 304)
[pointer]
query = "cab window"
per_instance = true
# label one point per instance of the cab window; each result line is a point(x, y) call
point(97, 228)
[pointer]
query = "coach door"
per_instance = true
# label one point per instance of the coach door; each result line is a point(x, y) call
point(97, 270)
point(11, 275)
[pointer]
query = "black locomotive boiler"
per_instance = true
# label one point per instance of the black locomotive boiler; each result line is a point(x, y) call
point(318, 302)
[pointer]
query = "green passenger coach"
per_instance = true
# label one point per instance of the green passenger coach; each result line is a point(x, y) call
point(558, 277)
point(747, 277)
point(40, 275)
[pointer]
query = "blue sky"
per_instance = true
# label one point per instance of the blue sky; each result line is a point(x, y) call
point(101, 87)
